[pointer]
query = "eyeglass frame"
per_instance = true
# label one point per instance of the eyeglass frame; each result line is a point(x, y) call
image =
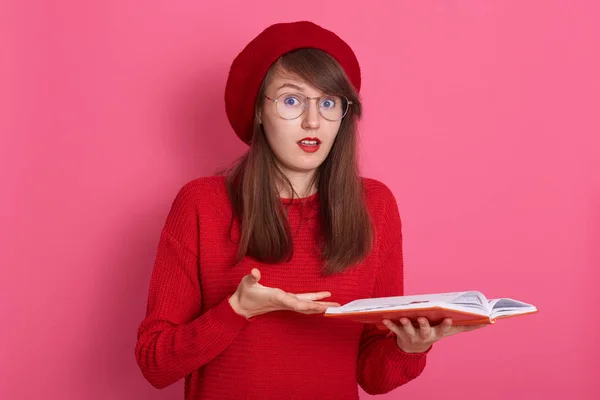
point(305, 105)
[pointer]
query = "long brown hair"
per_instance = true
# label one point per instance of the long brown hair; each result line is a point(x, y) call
point(346, 234)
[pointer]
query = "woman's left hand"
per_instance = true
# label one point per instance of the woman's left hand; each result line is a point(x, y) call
point(419, 340)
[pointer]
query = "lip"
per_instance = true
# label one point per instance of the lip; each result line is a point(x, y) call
point(310, 148)
point(311, 138)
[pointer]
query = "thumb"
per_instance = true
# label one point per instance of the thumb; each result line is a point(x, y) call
point(252, 278)
point(255, 273)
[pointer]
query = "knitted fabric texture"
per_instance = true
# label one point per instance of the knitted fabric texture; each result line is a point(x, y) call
point(191, 332)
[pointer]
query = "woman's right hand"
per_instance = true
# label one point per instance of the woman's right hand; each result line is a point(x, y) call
point(252, 299)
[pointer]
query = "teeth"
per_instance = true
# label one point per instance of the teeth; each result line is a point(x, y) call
point(309, 142)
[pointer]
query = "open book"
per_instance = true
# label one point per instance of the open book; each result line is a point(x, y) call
point(465, 308)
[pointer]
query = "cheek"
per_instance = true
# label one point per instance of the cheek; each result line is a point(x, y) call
point(332, 131)
point(277, 138)
point(279, 131)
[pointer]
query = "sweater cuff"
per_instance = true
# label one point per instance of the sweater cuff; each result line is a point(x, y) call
point(225, 315)
point(224, 321)
point(415, 360)
point(414, 355)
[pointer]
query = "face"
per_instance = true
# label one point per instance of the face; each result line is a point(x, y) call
point(293, 140)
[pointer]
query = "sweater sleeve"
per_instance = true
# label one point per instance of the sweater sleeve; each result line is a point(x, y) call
point(177, 336)
point(382, 365)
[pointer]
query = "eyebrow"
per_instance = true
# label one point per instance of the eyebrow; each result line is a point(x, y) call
point(290, 85)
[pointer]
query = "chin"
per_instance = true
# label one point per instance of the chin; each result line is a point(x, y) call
point(306, 168)
point(303, 167)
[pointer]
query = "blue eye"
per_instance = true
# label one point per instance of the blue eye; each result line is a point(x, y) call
point(291, 101)
point(328, 103)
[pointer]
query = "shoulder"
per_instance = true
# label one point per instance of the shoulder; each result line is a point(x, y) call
point(200, 195)
point(381, 203)
point(378, 194)
point(202, 189)
point(195, 200)
point(204, 184)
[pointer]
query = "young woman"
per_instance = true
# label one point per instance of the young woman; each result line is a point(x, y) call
point(248, 262)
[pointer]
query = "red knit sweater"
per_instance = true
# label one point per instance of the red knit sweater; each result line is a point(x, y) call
point(190, 330)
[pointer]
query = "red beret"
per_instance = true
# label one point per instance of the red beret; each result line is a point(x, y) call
point(251, 65)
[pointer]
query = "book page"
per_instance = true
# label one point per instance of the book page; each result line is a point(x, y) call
point(413, 301)
point(502, 307)
point(472, 299)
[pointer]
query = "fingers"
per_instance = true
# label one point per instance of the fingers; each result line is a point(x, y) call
point(312, 307)
point(291, 302)
point(313, 296)
point(307, 301)
point(328, 303)
point(453, 330)
point(309, 307)
point(444, 328)
point(397, 329)
point(409, 329)
point(425, 330)
point(403, 329)
point(414, 340)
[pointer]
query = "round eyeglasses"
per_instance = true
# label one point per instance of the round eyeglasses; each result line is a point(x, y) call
point(293, 105)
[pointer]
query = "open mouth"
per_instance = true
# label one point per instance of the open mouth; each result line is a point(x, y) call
point(310, 142)
point(309, 145)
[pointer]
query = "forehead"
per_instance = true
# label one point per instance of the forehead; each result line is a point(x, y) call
point(282, 81)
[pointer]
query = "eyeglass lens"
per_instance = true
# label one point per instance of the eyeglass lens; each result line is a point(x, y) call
point(291, 106)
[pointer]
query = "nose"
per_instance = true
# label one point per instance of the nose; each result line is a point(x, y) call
point(311, 115)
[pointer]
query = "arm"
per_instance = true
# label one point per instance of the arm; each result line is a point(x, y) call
point(382, 365)
point(175, 338)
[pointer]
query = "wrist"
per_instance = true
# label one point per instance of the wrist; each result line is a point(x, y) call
point(413, 349)
point(234, 302)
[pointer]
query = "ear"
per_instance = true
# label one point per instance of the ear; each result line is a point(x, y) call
point(260, 117)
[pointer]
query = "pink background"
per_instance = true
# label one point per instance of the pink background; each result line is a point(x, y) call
point(482, 116)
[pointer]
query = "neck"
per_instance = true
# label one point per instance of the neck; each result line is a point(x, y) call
point(301, 183)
